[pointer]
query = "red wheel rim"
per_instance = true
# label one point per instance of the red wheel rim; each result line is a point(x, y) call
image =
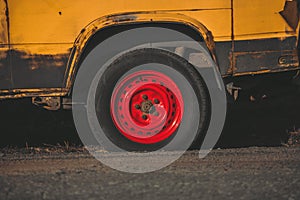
point(147, 107)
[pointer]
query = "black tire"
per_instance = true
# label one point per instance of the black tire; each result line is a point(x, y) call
point(186, 77)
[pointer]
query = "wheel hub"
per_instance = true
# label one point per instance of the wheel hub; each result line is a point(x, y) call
point(147, 107)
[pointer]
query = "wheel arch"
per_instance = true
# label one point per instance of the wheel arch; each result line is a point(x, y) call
point(106, 26)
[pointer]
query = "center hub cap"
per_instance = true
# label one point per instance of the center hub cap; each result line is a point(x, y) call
point(146, 106)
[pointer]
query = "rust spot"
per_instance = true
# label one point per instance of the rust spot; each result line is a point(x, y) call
point(232, 64)
point(3, 23)
point(7, 20)
point(252, 62)
point(123, 18)
point(38, 71)
point(20, 93)
point(5, 78)
point(82, 30)
point(3, 54)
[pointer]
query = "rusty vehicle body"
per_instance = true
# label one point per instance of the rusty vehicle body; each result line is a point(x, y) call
point(42, 42)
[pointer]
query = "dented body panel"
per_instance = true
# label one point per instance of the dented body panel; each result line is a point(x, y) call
point(41, 42)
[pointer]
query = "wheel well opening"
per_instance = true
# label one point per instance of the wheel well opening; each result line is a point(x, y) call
point(107, 32)
point(103, 34)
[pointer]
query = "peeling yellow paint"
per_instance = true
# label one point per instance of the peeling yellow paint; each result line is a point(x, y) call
point(53, 28)
point(43, 49)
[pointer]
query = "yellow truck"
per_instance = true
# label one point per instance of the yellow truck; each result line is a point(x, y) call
point(44, 45)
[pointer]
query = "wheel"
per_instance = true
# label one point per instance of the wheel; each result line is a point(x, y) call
point(150, 98)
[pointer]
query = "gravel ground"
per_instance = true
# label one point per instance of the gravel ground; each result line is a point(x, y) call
point(242, 173)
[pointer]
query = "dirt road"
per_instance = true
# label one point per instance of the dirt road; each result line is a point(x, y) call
point(245, 173)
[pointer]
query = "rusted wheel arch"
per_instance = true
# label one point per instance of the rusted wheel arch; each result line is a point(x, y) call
point(107, 26)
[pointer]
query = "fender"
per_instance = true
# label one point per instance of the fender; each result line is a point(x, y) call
point(131, 18)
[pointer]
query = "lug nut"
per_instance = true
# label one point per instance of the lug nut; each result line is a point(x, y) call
point(144, 117)
point(137, 106)
point(145, 97)
point(156, 101)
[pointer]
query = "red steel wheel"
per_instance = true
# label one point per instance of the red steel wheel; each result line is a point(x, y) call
point(147, 106)
point(150, 99)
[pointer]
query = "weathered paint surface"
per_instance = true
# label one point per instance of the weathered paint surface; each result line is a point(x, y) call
point(5, 75)
point(3, 23)
point(44, 32)
point(61, 21)
point(264, 34)
point(5, 70)
point(39, 70)
point(258, 19)
point(150, 17)
point(260, 56)
point(36, 38)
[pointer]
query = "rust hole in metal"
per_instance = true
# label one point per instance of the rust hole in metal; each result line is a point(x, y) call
point(290, 14)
